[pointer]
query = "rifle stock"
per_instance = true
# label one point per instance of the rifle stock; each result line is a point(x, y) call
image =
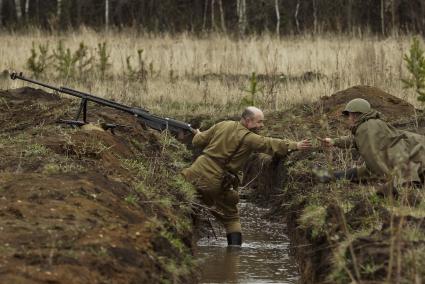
point(178, 128)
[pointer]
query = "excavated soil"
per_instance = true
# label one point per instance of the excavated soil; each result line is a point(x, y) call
point(322, 218)
point(88, 206)
point(78, 206)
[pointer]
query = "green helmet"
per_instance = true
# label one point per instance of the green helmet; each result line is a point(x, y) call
point(357, 105)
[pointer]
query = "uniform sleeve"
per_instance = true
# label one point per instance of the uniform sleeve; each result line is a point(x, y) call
point(202, 139)
point(270, 145)
point(344, 141)
point(369, 137)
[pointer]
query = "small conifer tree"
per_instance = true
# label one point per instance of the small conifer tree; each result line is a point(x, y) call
point(415, 63)
point(250, 99)
point(39, 60)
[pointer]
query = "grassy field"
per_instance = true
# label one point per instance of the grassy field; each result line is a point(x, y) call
point(184, 75)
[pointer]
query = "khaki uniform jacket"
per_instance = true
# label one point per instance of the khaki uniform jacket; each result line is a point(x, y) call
point(388, 152)
point(220, 141)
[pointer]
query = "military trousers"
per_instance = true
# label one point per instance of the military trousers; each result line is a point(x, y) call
point(222, 202)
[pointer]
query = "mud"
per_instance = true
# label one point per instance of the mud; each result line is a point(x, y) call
point(341, 232)
point(89, 206)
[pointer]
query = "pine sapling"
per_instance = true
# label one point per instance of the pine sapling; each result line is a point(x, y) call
point(251, 98)
point(65, 62)
point(39, 60)
point(83, 59)
point(415, 63)
point(103, 57)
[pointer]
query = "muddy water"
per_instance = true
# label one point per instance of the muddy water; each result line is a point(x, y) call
point(263, 258)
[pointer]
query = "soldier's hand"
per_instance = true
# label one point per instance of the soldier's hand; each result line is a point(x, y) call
point(326, 142)
point(304, 144)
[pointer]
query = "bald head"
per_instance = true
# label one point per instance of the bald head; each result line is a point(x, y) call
point(253, 118)
point(250, 112)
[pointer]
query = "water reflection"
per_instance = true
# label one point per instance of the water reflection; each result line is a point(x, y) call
point(263, 258)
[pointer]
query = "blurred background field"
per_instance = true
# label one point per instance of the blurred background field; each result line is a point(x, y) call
point(213, 75)
point(199, 57)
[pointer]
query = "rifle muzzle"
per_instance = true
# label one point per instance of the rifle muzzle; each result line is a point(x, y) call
point(14, 75)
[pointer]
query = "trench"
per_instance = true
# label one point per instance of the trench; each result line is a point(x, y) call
point(264, 256)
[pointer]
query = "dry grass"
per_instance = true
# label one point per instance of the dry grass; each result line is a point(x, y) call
point(344, 61)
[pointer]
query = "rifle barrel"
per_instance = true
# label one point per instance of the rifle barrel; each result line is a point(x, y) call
point(153, 121)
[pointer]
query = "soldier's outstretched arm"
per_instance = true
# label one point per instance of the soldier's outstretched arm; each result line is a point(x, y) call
point(304, 144)
point(274, 146)
point(340, 142)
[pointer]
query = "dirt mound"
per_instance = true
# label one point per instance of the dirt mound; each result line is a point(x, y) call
point(28, 94)
point(81, 206)
point(27, 107)
point(390, 106)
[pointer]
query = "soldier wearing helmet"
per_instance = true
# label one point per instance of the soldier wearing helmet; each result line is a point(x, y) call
point(389, 153)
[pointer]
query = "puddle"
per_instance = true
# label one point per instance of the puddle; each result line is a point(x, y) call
point(263, 258)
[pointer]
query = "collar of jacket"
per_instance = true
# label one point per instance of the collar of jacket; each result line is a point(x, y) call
point(373, 114)
point(240, 123)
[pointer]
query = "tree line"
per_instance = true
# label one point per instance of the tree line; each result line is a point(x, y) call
point(240, 17)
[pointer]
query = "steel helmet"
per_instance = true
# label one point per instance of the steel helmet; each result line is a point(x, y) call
point(357, 105)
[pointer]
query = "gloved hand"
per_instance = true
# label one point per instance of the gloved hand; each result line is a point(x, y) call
point(348, 174)
point(326, 142)
point(323, 175)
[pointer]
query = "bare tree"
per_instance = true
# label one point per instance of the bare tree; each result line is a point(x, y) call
point(106, 14)
point(78, 10)
point(315, 16)
point(204, 23)
point(276, 7)
point(1, 12)
point(423, 18)
point(59, 9)
point(383, 17)
point(242, 19)
point(18, 10)
point(297, 8)
point(394, 19)
point(27, 7)
point(350, 15)
point(213, 25)
point(222, 19)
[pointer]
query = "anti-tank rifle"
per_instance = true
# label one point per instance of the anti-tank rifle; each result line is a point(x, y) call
point(177, 128)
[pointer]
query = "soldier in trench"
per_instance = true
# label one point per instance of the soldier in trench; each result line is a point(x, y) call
point(226, 147)
point(395, 155)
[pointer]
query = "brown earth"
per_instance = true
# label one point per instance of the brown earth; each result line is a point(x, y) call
point(93, 207)
point(82, 206)
point(316, 246)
